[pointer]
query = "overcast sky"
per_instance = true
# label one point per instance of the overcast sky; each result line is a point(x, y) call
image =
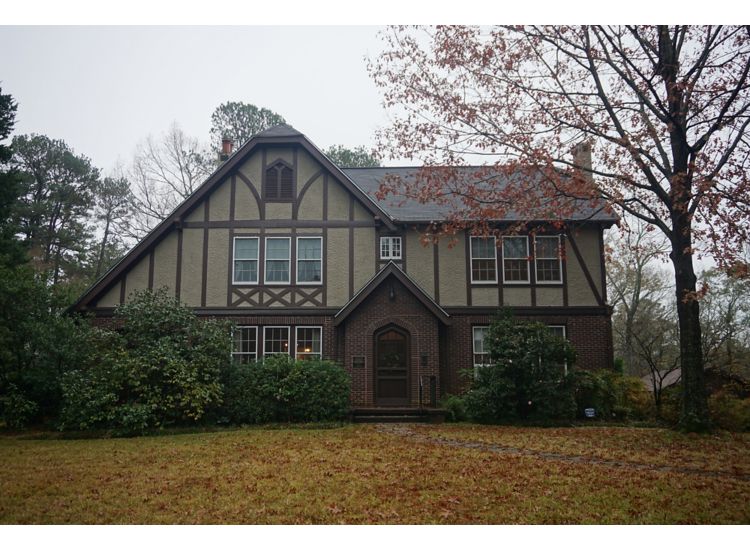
point(102, 89)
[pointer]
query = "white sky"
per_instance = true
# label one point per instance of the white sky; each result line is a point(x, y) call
point(103, 89)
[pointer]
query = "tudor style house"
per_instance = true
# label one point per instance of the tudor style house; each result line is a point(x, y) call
point(305, 260)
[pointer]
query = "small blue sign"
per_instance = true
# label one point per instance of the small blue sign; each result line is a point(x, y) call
point(589, 413)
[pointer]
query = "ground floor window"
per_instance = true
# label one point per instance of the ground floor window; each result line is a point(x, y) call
point(559, 330)
point(481, 355)
point(309, 342)
point(275, 340)
point(245, 347)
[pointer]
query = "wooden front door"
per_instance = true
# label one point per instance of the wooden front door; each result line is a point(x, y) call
point(392, 367)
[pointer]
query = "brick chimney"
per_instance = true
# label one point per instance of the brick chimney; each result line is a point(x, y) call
point(226, 148)
point(582, 158)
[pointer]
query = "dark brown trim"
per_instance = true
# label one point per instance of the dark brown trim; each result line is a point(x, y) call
point(602, 266)
point(351, 247)
point(585, 269)
point(230, 266)
point(314, 312)
point(122, 290)
point(178, 275)
point(467, 254)
point(529, 311)
point(232, 197)
point(151, 270)
point(252, 224)
point(392, 270)
point(436, 270)
point(204, 272)
point(258, 200)
point(532, 268)
point(563, 252)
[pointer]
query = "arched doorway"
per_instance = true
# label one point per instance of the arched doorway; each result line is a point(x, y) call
point(391, 366)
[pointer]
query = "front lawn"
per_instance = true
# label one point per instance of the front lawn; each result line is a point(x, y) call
point(367, 474)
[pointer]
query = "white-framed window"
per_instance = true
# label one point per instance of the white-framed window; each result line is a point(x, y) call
point(547, 259)
point(515, 259)
point(481, 357)
point(309, 342)
point(275, 341)
point(390, 248)
point(245, 256)
point(278, 260)
point(310, 260)
point(559, 330)
point(245, 348)
point(483, 260)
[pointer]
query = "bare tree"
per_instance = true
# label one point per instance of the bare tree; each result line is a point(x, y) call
point(165, 170)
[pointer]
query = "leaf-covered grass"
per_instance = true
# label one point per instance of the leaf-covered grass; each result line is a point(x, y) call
point(360, 474)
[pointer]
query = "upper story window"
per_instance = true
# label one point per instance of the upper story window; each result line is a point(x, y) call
point(278, 260)
point(309, 259)
point(390, 248)
point(515, 259)
point(483, 260)
point(548, 259)
point(279, 182)
point(245, 349)
point(245, 260)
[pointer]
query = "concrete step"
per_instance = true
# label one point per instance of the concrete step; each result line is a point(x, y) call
point(376, 419)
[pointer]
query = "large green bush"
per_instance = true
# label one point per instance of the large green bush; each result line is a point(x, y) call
point(280, 389)
point(527, 380)
point(162, 368)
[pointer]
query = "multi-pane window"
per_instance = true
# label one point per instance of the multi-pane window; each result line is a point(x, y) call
point(308, 342)
point(481, 356)
point(279, 182)
point(245, 260)
point(390, 248)
point(559, 331)
point(309, 259)
point(515, 259)
point(547, 259)
point(483, 260)
point(275, 340)
point(245, 347)
point(278, 259)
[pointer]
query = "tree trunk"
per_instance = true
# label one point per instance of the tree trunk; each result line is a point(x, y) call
point(694, 414)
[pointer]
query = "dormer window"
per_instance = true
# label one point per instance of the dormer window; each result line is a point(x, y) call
point(279, 182)
point(390, 248)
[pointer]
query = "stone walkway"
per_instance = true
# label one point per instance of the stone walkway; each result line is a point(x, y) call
point(403, 430)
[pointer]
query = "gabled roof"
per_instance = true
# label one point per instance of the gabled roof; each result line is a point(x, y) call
point(391, 269)
point(277, 135)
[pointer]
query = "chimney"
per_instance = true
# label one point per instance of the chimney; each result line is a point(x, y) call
point(226, 148)
point(582, 158)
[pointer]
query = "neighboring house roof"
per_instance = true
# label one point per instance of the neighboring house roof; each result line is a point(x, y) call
point(668, 378)
point(411, 210)
point(391, 269)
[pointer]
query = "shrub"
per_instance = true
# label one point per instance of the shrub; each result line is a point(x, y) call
point(455, 407)
point(16, 410)
point(526, 381)
point(315, 391)
point(163, 368)
point(281, 389)
point(729, 411)
point(251, 391)
point(612, 395)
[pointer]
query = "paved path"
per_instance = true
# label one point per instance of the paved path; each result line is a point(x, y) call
point(404, 430)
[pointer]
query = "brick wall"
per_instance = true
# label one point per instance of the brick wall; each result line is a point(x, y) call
point(376, 312)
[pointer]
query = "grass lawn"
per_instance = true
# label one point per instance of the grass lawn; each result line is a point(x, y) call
point(363, 474)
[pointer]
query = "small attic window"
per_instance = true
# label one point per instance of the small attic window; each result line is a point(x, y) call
point(279, 182)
